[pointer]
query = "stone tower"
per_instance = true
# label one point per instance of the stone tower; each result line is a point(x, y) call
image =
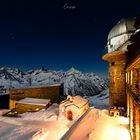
point(118, 40)
point(117, 63)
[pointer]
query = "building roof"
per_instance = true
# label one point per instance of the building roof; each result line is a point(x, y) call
point(39, 86)
point(34, 101)
point(123, 26)
point(77, 101)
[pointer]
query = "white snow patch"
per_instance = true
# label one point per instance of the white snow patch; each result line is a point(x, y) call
point(34, 101)
point(97, 125)
point(101, 100)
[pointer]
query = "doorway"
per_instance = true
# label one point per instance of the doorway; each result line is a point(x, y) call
point(69, 115)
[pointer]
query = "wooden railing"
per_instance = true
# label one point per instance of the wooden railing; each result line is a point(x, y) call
point(135, 97)
point(73, 127)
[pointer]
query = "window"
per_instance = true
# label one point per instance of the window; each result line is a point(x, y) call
point(111, 46)
point(113, 63)
point(70, 115)
point(131, 76)
point(126, 78)
point(136, 82)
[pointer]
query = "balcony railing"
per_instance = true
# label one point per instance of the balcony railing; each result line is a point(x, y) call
point(135, 97)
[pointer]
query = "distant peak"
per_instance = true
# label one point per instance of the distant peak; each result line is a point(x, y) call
point(43, 69)
point(9, 68)
point(73, 70)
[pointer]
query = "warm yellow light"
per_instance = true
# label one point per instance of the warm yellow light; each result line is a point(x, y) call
point(124, 134)
point(123, 120)
point(116, 132)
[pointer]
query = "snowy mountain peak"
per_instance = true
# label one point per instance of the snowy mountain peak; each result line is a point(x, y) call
point(75, 82)
point(72, 70)
point(42, 69)
point(13, 70)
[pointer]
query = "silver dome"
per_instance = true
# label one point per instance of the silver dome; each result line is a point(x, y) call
point(123, 26)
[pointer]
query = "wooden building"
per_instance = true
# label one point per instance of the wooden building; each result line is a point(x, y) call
point(52, 92)
point(31, 105)
point(133, 86)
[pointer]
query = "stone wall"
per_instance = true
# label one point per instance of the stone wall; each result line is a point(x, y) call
point(117, 64)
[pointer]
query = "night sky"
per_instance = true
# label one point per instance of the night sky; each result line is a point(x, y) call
point(59, 34)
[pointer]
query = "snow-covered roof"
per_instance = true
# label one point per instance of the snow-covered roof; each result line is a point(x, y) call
point(35, 101)
point(78, 101)
point(39, 86)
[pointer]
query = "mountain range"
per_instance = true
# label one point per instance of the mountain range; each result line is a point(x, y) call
point(75, 82)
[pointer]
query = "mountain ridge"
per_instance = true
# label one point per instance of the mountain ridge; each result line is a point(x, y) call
point(75, 82)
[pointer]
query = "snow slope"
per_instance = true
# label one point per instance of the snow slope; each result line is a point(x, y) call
point(101, 100)
point(96, 125)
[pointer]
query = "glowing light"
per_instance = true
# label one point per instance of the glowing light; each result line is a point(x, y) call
point(114, 130)
point(115, 133)
point(123, 120)
point(123, 134)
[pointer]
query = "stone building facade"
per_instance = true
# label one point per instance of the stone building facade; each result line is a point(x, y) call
point(124, 70)
point(117, 62)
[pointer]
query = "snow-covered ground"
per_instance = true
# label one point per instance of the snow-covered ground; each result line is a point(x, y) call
point(51, 114)
point(97, 125)
point(46, 125)
point(101, 100)
point(30, 125)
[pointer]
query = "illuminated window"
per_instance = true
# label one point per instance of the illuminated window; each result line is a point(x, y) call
point(126, 78)
point(131, 78)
